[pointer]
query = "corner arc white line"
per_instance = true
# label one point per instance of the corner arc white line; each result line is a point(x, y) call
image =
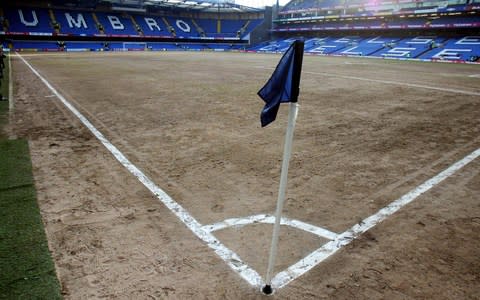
point(330, 248)
point(270, 219)
point(230, 257)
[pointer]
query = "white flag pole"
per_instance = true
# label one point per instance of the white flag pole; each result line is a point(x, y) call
point(292, 117)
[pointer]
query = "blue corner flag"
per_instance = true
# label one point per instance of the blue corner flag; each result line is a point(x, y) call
point(284, 84)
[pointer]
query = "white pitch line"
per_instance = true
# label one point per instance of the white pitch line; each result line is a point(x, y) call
point(456, 91)
point(319, 255)
point(44, 54)
point(230, 257)
point(10, 84)
point(269, 219)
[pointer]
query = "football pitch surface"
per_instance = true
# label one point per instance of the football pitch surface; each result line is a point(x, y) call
point(368, 132)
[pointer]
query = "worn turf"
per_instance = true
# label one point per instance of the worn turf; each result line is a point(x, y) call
point(27, 270)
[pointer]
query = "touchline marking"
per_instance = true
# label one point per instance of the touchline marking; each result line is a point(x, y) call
point(270, 219)
point(322, 253)
point(230, 257)
point(456, 91)
point(45, 54)
point(10, 83)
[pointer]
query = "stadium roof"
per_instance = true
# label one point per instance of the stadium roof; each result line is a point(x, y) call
point(196, 5)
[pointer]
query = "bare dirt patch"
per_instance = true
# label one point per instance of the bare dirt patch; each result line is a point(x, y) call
point(191, 122)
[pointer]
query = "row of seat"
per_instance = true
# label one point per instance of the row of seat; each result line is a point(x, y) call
point(370, 8)
point(405, 23)
point(23, 45)
point(83, 23)
point(466, 48)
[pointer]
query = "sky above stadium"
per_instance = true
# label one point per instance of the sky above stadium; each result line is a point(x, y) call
point(260, 3)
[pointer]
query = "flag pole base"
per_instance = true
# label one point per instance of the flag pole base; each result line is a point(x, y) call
point(267, 290)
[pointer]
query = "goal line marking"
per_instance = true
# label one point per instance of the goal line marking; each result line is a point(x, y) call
point(230, 257)
point(343, 239)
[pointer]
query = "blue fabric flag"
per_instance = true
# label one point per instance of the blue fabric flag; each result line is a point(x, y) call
point(284, 84)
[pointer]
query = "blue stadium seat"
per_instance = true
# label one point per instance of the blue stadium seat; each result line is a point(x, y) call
point(274, 46)
point(90, 23)
point(409, 47)
point(367, 47)
point(183, 27)
point(116, 24)
point(24, 20)
point(209, 26)
point(332, 45)
point(152, 26)
point(466, 49)
point(231, 27)
point(252, 25)
point(76, 22)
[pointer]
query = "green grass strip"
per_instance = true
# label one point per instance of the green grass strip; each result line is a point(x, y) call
point(26, 267)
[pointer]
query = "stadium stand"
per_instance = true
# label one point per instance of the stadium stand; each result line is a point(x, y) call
point(77, 25)
point(402, 29)
point(152, 26)
point(466, 48)
point(25, 20)
point(409, 48)
point(116, 24)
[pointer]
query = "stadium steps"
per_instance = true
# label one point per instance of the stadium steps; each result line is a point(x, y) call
point(136, 26)
point(98, 24)
point(198, 28)
point(374, 52)
point(169, 27)
point(423, 52)
point(244, 27)
point(55, 24)
point(219, 26)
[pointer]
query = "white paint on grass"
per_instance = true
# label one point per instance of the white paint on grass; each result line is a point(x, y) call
point(270, 219)
point(319, 255)
point(413, 85)
point(474, 76)
point(230, 257)
point(10, 84)
point(355, 63)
